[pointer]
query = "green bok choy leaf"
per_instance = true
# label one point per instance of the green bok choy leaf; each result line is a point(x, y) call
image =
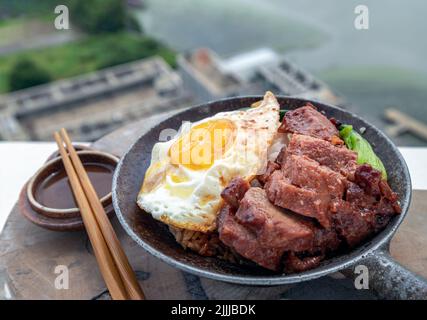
point(365, 154)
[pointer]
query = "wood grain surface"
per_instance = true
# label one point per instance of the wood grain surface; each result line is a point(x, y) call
point(30, 254)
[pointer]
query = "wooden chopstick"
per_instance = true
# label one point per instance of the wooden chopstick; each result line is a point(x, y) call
point(128, 276)
point(106, 264)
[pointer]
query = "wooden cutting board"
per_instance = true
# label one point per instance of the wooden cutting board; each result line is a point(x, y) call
point(30, 254)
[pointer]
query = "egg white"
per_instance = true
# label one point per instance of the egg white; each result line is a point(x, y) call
point(194, 200)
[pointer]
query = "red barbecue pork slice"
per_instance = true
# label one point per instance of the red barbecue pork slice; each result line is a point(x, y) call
point(293, 263)
point(305, 187)
point(272, 226)
point(325, 240)
point(271, 167)
point(351, 223)
point(306, 173)
point(245, 242)
point(262, 232)
point(357, 196)
point(302, 201)
point(368, 207)
point(339, 159)
point(308, 121)
point(234, 191)
point(369, 179)
point(355, 224)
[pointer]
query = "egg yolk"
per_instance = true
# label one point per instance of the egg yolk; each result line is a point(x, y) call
point(203, 144)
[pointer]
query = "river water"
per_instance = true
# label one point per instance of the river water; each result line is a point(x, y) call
point(384, 66)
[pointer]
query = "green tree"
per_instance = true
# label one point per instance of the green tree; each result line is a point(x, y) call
point(25, 73)
point(99, 16)
point(129, 47)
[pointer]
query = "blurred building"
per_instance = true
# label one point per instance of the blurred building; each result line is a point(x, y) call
point(210, 77)
point(91, 105)
point(202, 75)
point(94, 104)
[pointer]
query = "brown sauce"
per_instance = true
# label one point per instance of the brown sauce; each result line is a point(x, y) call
point(55, 191)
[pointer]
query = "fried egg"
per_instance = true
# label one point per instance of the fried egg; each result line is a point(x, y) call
point(183, 184)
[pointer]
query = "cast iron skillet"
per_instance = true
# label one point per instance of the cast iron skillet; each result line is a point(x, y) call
point(386, 276)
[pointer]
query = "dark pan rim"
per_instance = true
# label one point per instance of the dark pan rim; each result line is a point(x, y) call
point(380, 241)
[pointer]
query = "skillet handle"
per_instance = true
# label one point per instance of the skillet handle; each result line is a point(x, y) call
point(389, 279)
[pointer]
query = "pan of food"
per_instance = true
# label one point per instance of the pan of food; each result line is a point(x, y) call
point(268, 191)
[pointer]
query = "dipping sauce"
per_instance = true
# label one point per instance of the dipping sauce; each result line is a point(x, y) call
point(55, 191)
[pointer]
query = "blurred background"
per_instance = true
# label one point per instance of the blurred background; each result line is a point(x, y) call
point(123, 60)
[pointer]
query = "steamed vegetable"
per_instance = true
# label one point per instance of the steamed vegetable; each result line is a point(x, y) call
point(365, 154)
point(282, 113)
